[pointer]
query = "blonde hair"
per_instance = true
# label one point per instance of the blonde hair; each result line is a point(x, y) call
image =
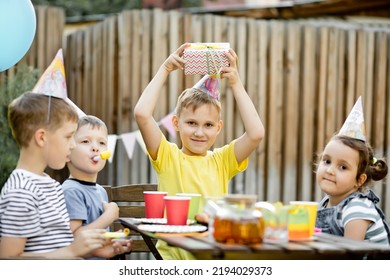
point(30, 111)
point(93, 121)
point(194, 98)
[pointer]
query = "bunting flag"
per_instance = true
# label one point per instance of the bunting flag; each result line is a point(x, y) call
point(167, 123)
point(128, 140)
point(111, 143)
point(140, 141)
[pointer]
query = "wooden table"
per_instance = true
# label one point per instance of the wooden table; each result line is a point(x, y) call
point(322, 246)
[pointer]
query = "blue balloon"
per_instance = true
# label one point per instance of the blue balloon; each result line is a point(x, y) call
point(17, 30)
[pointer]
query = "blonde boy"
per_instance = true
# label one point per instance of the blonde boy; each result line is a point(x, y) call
point(195, 168)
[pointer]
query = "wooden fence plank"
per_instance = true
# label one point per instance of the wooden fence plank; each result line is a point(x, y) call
point(125, 36)
point(147, 17)
point(361, 69)
point(341, 76)
point(291, 119)
point(386, 198)
point(77, 67)
point(331, 87)
point(322, 78)
point(40, 37)
point(251, 183)
point(136, 175)
point(219, 25)
point(87, 70)
point(378, 108)
point(229, 104)
point(263, 46)
point(351, 68)
point(275, 113)
point(240, 47)
point(368, 90)
point(306, 151)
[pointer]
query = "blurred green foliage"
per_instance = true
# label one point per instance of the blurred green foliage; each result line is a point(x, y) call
point(10, 88)
point(91, 7)
point(95, 7)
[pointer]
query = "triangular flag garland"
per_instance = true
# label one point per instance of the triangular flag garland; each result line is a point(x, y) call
point(167, 123)
point(53, 83)
point(140, 141)
point(128, 140)
point(111, 145)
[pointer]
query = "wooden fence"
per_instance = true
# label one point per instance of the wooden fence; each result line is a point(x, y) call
point(303, 76)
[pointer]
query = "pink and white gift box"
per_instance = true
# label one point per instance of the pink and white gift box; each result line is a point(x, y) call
point(205, 58)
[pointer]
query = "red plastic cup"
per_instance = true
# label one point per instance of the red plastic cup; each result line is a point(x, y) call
point(154, 204)
point(177, 209)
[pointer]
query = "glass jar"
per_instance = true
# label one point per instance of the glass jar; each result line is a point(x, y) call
point(237, 221)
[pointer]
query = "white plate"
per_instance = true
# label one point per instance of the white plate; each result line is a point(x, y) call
point(157, 221)
point(172, 229)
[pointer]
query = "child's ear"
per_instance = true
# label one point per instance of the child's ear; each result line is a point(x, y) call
point(40, 137)
point(362, 179)
point(175, 122)
point(220, 125)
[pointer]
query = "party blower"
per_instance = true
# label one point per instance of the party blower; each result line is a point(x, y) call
point(117, 234)
point(103, 155)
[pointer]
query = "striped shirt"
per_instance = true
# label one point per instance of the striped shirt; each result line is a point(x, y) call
point(363, 209)
point(33, 207)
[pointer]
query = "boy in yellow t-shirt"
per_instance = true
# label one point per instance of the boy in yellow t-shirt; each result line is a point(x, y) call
point(194, 168)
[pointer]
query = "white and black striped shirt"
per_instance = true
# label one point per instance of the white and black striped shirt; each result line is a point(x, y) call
point(33, 207)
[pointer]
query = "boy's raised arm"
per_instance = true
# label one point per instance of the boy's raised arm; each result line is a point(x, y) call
point(143, 111)
point(254, 129)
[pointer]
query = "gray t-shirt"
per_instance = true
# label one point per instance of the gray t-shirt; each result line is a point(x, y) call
point(84, 200)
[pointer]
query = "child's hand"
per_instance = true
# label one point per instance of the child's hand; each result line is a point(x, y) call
point(113, 247)
point(111, 209)
point(231, 72)
point(122, 246)
point(86, 241)
point(202, 218)
point(175, 60)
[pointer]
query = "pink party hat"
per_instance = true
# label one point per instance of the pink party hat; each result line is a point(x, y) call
point(210, 85)
point(53, 82)
point(354, 124)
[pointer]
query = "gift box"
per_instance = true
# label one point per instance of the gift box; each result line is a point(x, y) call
point(205, 58)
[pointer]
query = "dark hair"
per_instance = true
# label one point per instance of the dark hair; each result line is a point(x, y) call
point(375, 169)
point(31, 111)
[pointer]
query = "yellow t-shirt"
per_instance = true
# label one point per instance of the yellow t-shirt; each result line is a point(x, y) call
point(181, 173)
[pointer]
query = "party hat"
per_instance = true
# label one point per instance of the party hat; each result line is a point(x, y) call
point(354, 124)
point(209, 85)
point(53, 82)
